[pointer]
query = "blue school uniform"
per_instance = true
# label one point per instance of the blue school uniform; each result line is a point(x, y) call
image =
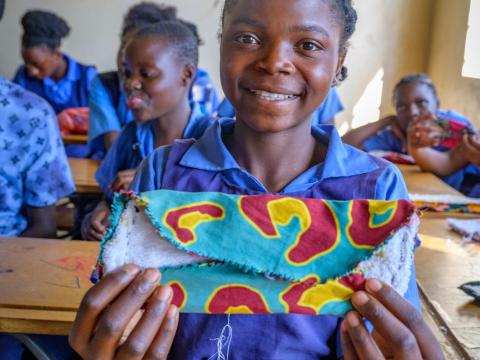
point(388, 141)
point(331, 106)
point(207, 165)
point(69, 92)
point(109, 111)
point(34, 169)
point(137, 141)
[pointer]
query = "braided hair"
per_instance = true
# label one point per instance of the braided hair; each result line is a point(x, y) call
point(43, 28)
point(344, 13)
point(178, 36)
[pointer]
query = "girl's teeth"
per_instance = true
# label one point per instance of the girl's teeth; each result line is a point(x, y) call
point(265, 95)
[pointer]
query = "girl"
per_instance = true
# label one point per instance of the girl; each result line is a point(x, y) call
point(49, 73)
point(278, 62)
point(108, 107)
point(414, 96)
point(161, 62)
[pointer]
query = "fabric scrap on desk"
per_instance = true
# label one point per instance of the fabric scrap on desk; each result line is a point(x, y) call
point(224, 253)
point(394, 157)
point(469, 228)
point(446, 203)
point(472, 288)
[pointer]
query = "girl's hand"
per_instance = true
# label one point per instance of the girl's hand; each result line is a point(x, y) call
point(123, 180)
point(471, 148)
point(94, 225)
point(399, 329)
point(425, 132)
point(110, 324)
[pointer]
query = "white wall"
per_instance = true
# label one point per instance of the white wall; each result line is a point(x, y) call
point(95, 24)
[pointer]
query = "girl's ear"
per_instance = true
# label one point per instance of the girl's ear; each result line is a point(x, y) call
point(57, 54)
point(338, 71)
point(188, 74)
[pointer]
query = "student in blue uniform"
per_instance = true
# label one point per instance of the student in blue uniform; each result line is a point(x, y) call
point(161, 61)
point(278, 61)
point(325, 114)
point(108, 107)
point(414, 96)
point(48, 72)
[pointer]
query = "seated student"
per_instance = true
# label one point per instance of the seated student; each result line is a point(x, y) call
point(35, 172)
point(414, 96)
point(463, 159)
point(325, 114)
point(160, 65)
point(48, 72)
point(292, 49)
point(108, 107)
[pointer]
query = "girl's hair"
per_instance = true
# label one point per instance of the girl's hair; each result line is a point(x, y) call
point(417, 79)
point(343, 11)
point(43, 28)
point(178, 36)
point(2, 8)
point(145, 14)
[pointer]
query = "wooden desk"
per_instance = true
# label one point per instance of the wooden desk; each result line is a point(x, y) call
point(419, 182)
point(83, 171)
point(42, 283)
point(443, 263)
point(75, 139)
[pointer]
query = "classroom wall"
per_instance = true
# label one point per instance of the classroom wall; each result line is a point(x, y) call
point(447, 57)
point(94, 38)
point(393, 38)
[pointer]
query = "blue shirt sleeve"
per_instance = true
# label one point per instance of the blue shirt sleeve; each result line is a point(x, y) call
point(48, 177)
point(383, 140)
point(149, 173)
point(103, 115)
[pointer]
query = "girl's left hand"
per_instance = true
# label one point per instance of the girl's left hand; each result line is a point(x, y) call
point(471, 148)
point(399, 329)
point(123, 180)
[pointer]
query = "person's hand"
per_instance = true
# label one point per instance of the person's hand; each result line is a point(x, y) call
point(425, 132)
point(122, 180)
point(471, 148)
point(399, 329)
point(95, 224)
point(111, 325)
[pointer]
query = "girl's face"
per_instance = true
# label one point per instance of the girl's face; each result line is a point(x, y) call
point(41, 61)
point(278, 60)
point(155, 81)
point(413, 101)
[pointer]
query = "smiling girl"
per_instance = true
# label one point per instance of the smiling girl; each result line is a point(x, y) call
point(278, 61)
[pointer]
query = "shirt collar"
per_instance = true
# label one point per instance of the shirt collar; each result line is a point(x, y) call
point(210, 153)
point(73, 71)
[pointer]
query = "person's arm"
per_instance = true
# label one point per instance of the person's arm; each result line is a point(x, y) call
point(357, 137)
point(420, 139)
point(471, 148)
point(42, 222)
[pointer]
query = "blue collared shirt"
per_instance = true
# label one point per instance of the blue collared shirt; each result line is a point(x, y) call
point(105, 116)
point(209, 153)
point(69, 92)
point(34, 169)
point(331, 106)
point(137, 141)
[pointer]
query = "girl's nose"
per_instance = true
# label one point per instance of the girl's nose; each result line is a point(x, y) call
point(133, 83)
point(276, 59)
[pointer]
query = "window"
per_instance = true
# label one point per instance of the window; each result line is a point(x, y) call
point(471, 66)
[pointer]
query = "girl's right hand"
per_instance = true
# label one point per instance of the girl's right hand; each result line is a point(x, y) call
point(425, 132)
point(111, 325)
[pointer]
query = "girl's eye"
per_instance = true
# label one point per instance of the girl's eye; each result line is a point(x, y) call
point(422, 103)
point(147, 74)
point(247, 39)
point(309, 46)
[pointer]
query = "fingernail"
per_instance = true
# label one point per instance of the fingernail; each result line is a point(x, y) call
point(360, 298)
point(131, 269)
point(165, 293)
point(172, 312)
point(373, 285)
point(151, 275)
point(352, 320)
point(343, 327)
